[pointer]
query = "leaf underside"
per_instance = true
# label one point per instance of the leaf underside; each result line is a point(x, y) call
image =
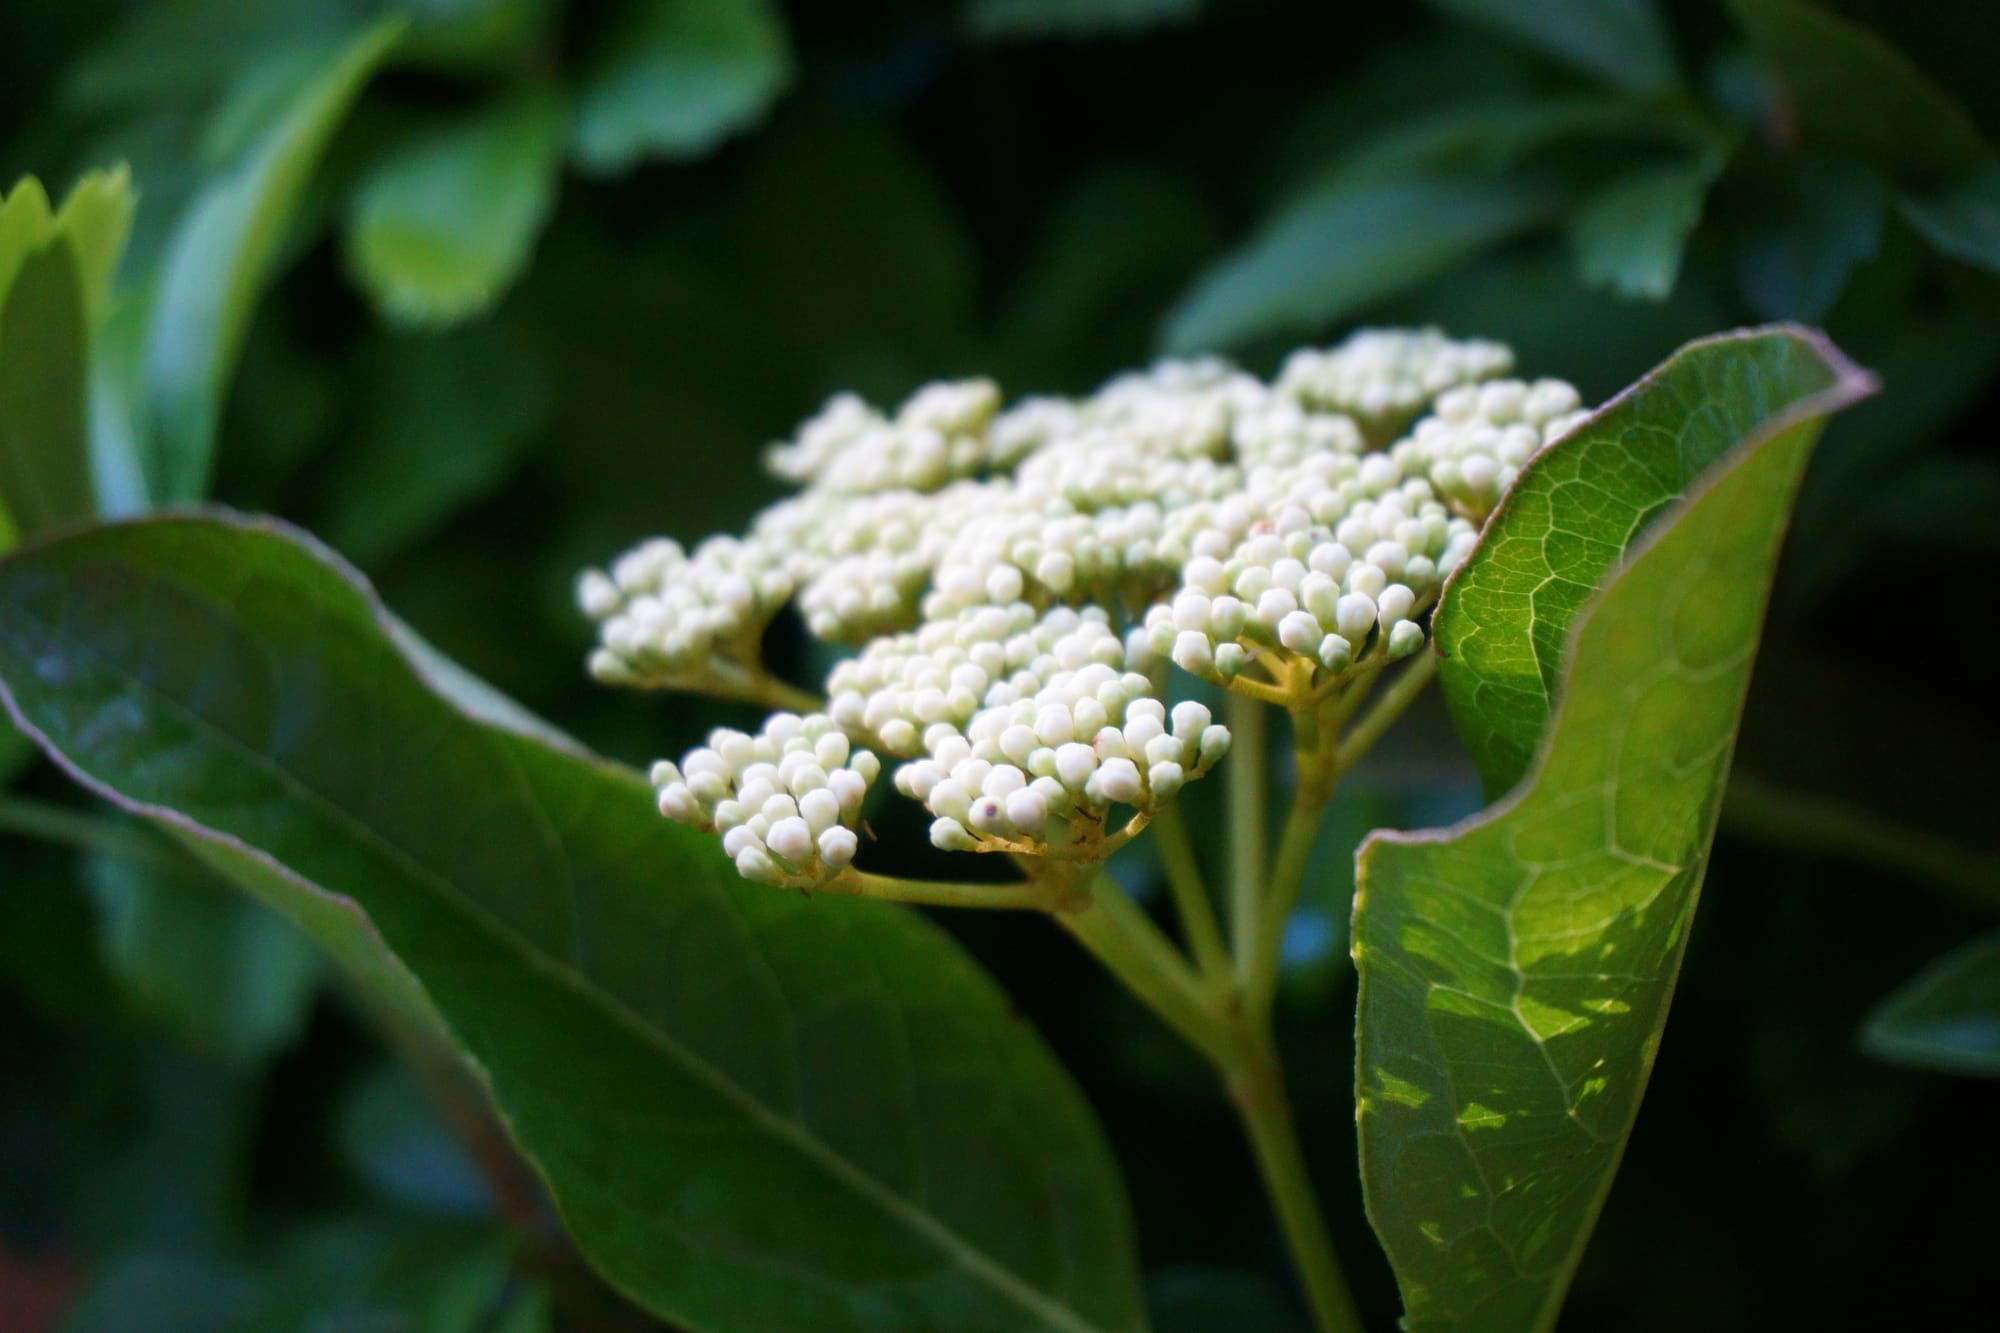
point(756, 1111)
point(1515, 971)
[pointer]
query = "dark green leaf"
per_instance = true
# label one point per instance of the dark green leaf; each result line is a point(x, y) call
point(1945, 1018)
point(1962, 221)
point(755, 1110)
point(1508, 612)
point(1850, 91)
point(445, 420)
point(163, 1292)
point(1816, 219)
point(442, 226)
point(1515, 969)
point(1622, 41)
point(1631, 236)
point(676, 77)
point(1072, 18)
point(44, 388)
point(395, 1140)
point(1344, 246)
point(221, 257)
point(226, 974)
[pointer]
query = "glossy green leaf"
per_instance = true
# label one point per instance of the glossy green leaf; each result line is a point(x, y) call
point(44, 391)
point(676, 77)
point(1072, 18)
point(221, 257)
point(1345, 245)
point(1947, 1017)
point(443, 225)
point(1630, 238)
point(1849, 90)
point(224, 973)
point(755, 1110)
point(1622, 41)
point(1507, 614)
point(1963, 220)
point(1515, 970)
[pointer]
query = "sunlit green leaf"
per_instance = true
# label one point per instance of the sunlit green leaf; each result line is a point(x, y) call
point(755, 1110)
point(1516, 969)
point(1945, 1018)
point(1849, 90)
point(676, 77)
point(1507, 615)
point(1072, 18)
point(1631, 236)
point(1623, 41)
point(220, 259)
point(96, 216)
point(1341, 247)
point(442, 226)
point(1962, 221)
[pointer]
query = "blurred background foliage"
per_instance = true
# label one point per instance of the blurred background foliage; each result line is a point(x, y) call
point(484, 290)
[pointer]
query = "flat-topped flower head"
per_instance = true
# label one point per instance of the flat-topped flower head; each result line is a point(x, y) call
point(1017, 583)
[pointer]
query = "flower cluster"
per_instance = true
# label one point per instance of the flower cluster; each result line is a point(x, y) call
point(1476, 439)
point(1018, 579)
point(786, 801)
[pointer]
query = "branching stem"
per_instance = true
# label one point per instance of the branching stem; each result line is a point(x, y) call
point(1191, 900)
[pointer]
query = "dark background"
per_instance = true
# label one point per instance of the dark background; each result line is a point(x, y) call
point(199, 1130)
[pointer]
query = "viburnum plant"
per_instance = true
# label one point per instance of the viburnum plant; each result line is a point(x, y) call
point(1044, 600)
point(763, 1096)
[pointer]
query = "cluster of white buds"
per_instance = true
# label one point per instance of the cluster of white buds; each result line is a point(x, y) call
point(940, 433)
point(1018, 580)
point(1477, 438)
point(1386, 376)
point(665, 613)
point(786, 801)
point(1072, 729)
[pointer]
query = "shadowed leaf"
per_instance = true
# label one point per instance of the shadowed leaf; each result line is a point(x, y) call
point(1947, 1017)
point(755, 1110)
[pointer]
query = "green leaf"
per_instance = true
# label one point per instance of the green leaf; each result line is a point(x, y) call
point(1345, 245)
point(1508, 612)
point(1947, 1017)
point(44, 391)
point(1850, 91)
point(1630, 237)
point(394, 1139)
point(442, 226)
point(1816, 219)
point(1622, 41)
point(1962, 221)
point(221, 257)
point(96, 215)
point(755, 1110)
point(1003, 19)
point(224, 973)
point(444, 420)
point(1515, 970)
point(675, 78)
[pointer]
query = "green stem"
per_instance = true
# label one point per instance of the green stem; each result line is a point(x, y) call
point(1288, 877)
point(49, 822)
point(1257, 1089)
point(1762, 809)
point(941, 893)
point(1191, 901)
point(1394, 702)
point(1248, 769)
point(1134, 950)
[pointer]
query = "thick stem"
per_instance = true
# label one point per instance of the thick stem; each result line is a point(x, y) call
point(1247, 771)
point(1257, 1089)
point(1134, 950)
point(1191, 901)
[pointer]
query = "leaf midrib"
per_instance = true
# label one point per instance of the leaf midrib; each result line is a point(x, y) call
point(960, 1251)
